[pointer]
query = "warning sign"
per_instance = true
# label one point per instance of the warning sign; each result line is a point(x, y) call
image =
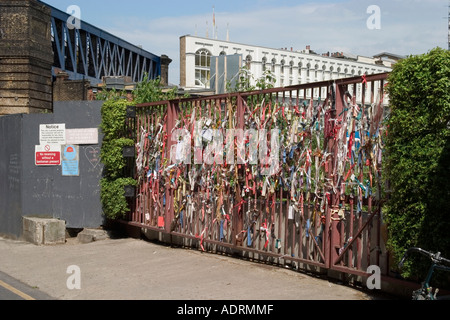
point(48, 155)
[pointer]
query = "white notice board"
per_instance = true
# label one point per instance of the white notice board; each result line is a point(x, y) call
point(52, 134)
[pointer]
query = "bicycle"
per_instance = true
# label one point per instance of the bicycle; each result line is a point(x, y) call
point(426, 291)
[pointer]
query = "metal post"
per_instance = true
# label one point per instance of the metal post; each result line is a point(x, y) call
point(333, 209)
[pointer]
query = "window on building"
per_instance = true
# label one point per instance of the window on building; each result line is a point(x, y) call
point(248, 65)
point(300, 66)
point(248, 61)
point(202, 68)
point(264, 62)
point(274, 62)
point(291, 68)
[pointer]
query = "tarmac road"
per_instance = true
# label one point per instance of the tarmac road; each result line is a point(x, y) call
point(14, 290)
point(131, 269)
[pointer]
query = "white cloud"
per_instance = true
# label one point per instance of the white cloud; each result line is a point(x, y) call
point(407, 27)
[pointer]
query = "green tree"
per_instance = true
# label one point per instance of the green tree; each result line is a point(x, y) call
point(246, 78)
point(417, 162)
point(149, 90)
point(110, 94)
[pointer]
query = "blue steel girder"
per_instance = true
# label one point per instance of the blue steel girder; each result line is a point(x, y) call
point(92, 53)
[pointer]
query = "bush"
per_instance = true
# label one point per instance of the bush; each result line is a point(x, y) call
point(114, 180)
point(417, 162)
point(114, 114)
point(115, 204)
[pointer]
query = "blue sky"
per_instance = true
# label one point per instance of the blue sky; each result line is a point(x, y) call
point(407, 26)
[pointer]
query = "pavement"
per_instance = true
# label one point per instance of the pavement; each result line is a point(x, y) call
point(122, 268)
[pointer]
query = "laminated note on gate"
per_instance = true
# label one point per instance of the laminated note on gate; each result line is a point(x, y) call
point(180, 156)
point(207, 135)
point(291, 213)
point(264, 189)
point(160, 222)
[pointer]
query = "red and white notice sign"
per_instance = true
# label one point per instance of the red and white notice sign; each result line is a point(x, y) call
point(48, 155)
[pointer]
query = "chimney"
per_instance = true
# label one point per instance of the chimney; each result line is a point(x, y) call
point(308, 47)
point(165, 62)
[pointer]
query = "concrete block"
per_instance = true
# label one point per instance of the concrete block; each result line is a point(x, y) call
point(33, 230)
point(91, 235)
point(41, 231)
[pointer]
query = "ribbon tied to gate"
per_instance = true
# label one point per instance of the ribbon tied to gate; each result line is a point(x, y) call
point(306, 128)
point(265, 228)
point(364, 79)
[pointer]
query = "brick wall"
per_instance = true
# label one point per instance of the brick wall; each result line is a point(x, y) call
point(70, 90)
point(25, 57)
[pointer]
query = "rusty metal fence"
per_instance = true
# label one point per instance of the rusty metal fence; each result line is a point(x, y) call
point(322, 206)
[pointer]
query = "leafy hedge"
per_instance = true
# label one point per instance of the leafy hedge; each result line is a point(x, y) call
point(113, 183)
point(114, 111)
point(417, 162)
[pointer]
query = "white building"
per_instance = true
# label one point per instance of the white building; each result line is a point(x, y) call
point(288, 66)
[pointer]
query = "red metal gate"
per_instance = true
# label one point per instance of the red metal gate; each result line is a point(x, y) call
point(322, 208)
